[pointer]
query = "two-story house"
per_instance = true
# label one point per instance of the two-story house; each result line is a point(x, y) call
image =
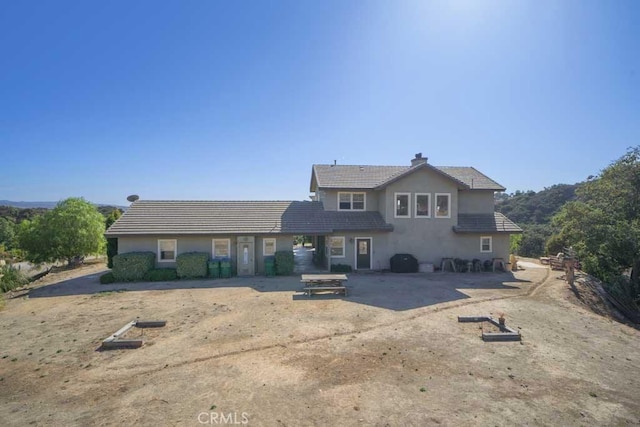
point(359, 215)
point(433, 212)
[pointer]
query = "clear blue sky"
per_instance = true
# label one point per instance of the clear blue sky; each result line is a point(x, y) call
point(237, 99)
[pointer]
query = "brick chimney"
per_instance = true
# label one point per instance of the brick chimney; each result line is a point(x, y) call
point(418, 160)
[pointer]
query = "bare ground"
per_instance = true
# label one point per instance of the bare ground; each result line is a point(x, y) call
point(246, 350)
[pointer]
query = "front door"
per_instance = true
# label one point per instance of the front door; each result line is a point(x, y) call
point(246, 265)
point(363, 253)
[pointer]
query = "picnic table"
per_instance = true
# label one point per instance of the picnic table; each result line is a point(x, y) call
point(315, 283)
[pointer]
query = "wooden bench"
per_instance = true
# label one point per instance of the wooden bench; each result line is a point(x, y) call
point(324, 283)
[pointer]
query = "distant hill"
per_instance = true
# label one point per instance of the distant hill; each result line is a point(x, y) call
point(536, 208)
point(46, 205)
point(28, 205)
point(17, 214)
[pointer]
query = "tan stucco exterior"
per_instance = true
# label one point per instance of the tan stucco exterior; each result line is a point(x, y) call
point(200, 244)
point(426, 248)
point(428, 239)
point(476, 201)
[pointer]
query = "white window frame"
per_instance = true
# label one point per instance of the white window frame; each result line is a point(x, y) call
point(395, 205)
point(490, 244)
point(435, 205)
point(213, 248)
point(175, 250)
point(343, 247)
point(428, 205)
point(351, 193)
point(264, 246)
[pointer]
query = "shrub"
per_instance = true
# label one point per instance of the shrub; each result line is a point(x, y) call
point(340, 268)
point(284, 263)
point(107, 278)
point(192, 265)
point(11, 278)
point(112, 250)
point(133, 265)
point(161, 275)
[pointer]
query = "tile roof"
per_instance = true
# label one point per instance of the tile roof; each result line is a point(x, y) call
point(355, 221)
point(473, 178)
point(485, 223)
point(375, 177)
point(353, 176)
point(147, 217)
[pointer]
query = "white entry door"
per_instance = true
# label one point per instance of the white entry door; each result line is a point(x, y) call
point(246, 256)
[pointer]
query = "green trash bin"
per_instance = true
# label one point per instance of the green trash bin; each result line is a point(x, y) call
point(269, 266)
point(225, 268)
point(214, 269)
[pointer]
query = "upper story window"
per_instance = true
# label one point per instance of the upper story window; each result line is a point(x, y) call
point(351, 201)
point(423, 205)
point(443, 205)
point(167, 250)
point(402, 205)
point(221, 248)
point(268, 247)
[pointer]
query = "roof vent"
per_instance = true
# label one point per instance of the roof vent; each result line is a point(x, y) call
point(418, 159)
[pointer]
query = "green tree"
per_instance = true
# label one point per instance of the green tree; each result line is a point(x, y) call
point(112, 243)
point(536, 208)
point(7, 233)
point(533, 240)
point(74, 228)
point(603, 225)
point(32, 238)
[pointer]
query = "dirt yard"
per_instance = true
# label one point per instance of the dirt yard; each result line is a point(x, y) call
point(249, 351)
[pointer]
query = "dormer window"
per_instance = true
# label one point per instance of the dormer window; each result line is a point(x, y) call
point(351, 201)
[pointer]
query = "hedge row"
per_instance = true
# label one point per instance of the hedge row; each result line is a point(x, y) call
point(192, 265)
point(132, 266)
point(139, 266)
point(161, 275)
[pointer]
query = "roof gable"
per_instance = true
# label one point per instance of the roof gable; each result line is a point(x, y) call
point(354, 176)
point(471, 177)
point(377, 177)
